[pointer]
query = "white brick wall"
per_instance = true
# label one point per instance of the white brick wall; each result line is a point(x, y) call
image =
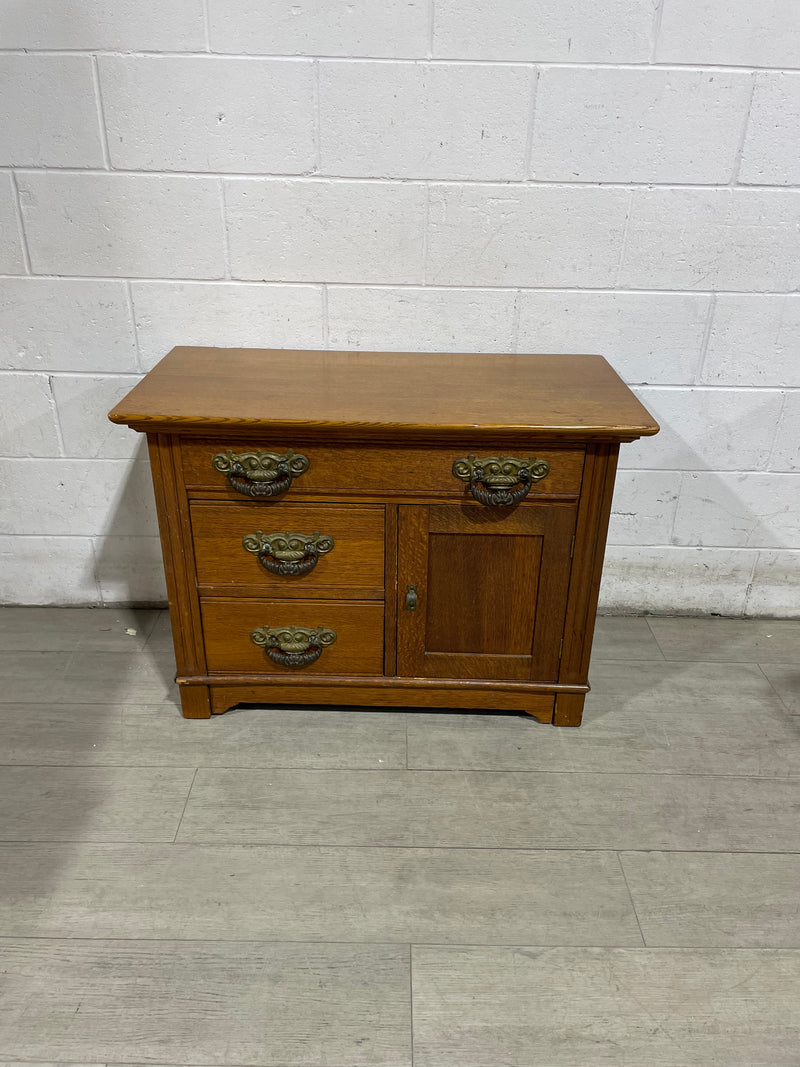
point(629, 125)
point(550, 175)
point(222, 114)
point(774, 121)
point(483, 139)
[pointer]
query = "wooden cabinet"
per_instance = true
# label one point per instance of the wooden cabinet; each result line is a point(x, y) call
point(420, 530)
point(483, 591)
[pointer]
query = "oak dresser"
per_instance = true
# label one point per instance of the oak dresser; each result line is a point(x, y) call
point(387, 529)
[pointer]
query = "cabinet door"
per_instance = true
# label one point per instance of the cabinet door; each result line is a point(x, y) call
point(489, 590)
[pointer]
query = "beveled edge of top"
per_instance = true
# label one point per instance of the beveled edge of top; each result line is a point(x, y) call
point(143, 410)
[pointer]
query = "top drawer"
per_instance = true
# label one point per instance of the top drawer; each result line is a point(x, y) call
point(371, 470)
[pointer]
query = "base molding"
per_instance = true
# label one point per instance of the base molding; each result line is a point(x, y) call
point(206, 694)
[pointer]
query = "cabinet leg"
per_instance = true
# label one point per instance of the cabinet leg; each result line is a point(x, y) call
point(569, 709)
point(195, 701)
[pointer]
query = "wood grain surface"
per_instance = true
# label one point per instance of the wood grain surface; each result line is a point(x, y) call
point(353, 568)
point(577, 397)
point(358, 649)
point(350, 469)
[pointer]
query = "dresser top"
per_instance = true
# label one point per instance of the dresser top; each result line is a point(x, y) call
point(384, 394)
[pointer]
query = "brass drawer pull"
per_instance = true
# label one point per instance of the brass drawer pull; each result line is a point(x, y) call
point(293, 646)
point(260, 473)
point(500, 481)
point(288, 553)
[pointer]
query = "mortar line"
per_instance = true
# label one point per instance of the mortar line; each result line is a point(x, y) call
point(658, 14)
point(623, 247)
point(531, 122)
point(444, 61)
point(426, 223)
point(642, 386)
point(515, 317)
point(316, 93)
point(133, 374)
point(737, 162)
point(56, 418)
point(207, 25)
point(748, 589)
point(513, 184)
point(101, 114)
point(23, 237)
point(440, 286)
point(96, 572)
point(132, 313)
point(326, 331)
point(226, 245)
point(774, 431)
point(709, 325)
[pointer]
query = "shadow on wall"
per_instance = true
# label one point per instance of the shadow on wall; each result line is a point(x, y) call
point(129, 567)
point(700, 524)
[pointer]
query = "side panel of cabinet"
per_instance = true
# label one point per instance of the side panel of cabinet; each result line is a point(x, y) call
point(176, 546)
point(482, 592)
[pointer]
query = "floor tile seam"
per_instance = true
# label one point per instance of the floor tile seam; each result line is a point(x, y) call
point(206, 767)
point(136, 1063)
point(625, 774)
point(589, 947)
point(177, 939)
point(191, 766)
point(739, 660)
point(121, 704)
point(630, 897)
point(88, 702)
point(388, 770)
point(398, 770)
point(117, 766)
point(773, 687)
point(253, 846)
point(443, 848)
point(33, 842)
point(133, 1063)
point(185, 805)
point(628, 660)
point(411, 1000)
point(654, 635)
point(156, 618)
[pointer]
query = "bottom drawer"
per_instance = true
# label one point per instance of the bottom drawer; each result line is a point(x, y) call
point(356, 649)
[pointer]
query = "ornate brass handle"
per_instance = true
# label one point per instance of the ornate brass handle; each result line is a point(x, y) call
point(293, 646)
point(260, 473)
point(288, 553)
point(500, 481)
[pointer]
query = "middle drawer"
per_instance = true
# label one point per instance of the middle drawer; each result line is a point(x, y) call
point(289, 550)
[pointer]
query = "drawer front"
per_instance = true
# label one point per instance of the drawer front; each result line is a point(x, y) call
point(243, 549)
point(378, 470)
point(357, 648)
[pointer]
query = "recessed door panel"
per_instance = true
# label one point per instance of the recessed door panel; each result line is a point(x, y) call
point(483, 591)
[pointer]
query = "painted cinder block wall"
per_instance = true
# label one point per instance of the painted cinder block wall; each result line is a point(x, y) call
point(614, 176)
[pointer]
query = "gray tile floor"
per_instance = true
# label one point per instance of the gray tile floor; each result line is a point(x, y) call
point(277, 888)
